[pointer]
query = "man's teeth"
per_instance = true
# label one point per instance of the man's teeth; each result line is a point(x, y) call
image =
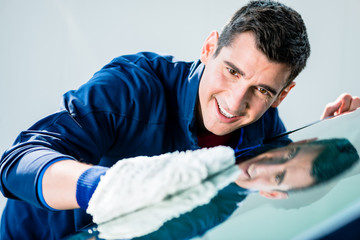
point(225, 113)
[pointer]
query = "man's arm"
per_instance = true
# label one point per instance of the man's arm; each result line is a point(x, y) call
point(59, 184)
point(344, 103)
point(104, 117)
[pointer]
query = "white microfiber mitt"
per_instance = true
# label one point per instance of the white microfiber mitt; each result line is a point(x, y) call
point(152, 217)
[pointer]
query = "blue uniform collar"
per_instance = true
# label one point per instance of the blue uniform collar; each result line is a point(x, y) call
point(250, 137)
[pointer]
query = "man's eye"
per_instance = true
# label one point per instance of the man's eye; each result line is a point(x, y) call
point(291, 153)
point(278, 178)
point(263, 91)
point(232, 72)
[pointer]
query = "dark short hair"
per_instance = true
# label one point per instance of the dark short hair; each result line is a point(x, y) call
point(279, 30)
point(337, 155)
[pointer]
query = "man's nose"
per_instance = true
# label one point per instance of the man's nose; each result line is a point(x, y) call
point(266, 170)
point(238, 100)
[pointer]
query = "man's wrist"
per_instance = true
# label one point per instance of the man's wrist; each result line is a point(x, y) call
point(87, 183)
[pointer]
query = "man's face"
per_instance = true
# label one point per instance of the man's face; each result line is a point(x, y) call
point(238, 85)
point(280, 169)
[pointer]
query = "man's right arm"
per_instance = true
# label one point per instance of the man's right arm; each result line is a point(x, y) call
point(51, 154)
point(98, 119)
point(59, 184)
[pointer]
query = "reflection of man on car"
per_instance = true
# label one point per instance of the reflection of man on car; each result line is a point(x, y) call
point(296, 166)
point(272, 173)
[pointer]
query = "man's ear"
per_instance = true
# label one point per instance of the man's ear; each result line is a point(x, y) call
point(209, 46)
point(274, 194)
point(283, 94)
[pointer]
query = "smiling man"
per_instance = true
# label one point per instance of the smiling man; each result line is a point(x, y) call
point(148, 104)
point(239, 83)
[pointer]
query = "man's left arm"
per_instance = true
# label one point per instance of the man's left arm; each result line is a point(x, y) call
point(343, 104)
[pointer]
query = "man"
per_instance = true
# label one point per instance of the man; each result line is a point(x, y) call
point(147, 104)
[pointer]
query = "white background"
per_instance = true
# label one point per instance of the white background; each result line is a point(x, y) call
point(48, 47)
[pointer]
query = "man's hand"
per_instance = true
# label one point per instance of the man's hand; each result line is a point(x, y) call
point(151, 217)
point(343, 104)
point(179, 180)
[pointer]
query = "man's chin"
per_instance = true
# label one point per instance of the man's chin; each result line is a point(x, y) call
point(226, 130)
point(221, 131)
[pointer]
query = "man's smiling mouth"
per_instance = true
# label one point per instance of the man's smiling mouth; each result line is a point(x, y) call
point(224, 112)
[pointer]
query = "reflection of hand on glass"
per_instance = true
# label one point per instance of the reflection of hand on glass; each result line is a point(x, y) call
point(296, 166)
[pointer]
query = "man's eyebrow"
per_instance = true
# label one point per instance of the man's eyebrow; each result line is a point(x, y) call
point(235, 68)
point(293, 152)
point(282, 176)
point(242, 73)
point(292, 155)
